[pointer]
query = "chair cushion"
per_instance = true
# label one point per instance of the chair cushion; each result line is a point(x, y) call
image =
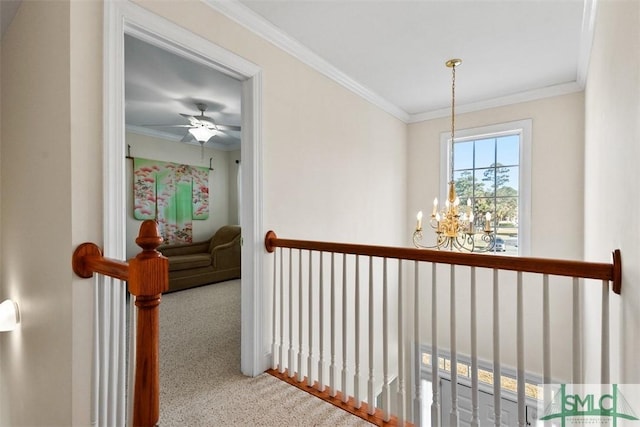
point(185, 262)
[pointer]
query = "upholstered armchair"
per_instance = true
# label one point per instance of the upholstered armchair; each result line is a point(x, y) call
point(201, 263)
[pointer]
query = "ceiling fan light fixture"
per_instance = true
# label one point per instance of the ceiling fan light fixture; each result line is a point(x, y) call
point(202, 133)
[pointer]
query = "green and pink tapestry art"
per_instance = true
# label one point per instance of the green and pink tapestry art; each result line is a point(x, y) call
point(172, 194)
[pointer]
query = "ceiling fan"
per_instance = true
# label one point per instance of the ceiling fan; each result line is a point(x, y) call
point(201, 128)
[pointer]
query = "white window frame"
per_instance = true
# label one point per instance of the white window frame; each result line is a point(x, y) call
point(518, 127)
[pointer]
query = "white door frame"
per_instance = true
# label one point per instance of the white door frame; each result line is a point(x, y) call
point(125, 17)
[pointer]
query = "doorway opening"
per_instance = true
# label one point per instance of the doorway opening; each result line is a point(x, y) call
point(126, 19)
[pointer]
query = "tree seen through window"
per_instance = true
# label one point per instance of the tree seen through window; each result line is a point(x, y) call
point(486, 171)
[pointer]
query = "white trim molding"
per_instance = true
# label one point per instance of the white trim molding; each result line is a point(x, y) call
point(586, 40)
point(516, 98)
point(125, 17)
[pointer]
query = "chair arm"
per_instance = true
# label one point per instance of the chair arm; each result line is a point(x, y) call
point(184, 248)
point(225, 251)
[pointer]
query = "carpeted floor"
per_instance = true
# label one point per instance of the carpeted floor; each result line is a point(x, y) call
point(200, 379)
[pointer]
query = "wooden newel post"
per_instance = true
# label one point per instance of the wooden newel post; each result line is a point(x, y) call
point(148, 278)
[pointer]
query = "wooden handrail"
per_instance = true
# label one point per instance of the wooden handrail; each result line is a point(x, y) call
point(587, 270)
point(148, 276)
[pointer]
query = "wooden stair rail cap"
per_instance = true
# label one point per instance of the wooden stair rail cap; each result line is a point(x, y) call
point(570, 268)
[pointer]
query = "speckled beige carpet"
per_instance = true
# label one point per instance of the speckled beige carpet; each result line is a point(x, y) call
point(200, 379)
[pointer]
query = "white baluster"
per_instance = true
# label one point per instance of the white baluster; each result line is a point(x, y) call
point(386, 401)
point(332, 367)
point(520, 349)
point(345, 394)
point(282, 347)
point(310, 357)
point(321, 323)
point(401, 404)
point(371, 404)
point(356, 380)
point(546, 331)
point(475, 413)
point(546, 338)
point(274, 344)
point(604, 370)
point(300, 311)
point(435, 365)
point(576, 332)
point(497, 368)
point(453, 419)
point(290, 367)
point(417, 394)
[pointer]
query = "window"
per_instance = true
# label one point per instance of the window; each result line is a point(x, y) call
point(491, 169)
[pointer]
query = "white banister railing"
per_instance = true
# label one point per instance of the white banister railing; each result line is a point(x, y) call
point(345, 358)
point(475, 408)
point(435, 379)
point(401, 374)
point(417, 386)
point(576, 377)
point(604, 334)
point(497, 367)
point(352, 324)
point(371, 386)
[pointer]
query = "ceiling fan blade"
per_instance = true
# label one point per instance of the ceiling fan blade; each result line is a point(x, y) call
point(228, 127)
point(187, 138)
point(192, 119)
point(168, 126)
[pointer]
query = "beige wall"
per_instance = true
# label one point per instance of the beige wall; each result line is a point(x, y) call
point(556, 167)
point(556, 183)
point(85, 81)
point(36, 216)
point(611, 178)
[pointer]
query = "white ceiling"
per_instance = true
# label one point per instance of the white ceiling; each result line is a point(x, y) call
point(396, 49)
point(391, 52)
point(159, 85)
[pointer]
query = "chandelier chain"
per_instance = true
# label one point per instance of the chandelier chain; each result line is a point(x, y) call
point(453, 117)
point(453, 102)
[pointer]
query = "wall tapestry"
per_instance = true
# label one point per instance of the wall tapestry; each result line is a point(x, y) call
point(172, 194)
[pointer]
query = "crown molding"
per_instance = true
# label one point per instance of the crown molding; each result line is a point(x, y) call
point(586, 40)
point(154, 133)
point(517, 98)
point(255, 23)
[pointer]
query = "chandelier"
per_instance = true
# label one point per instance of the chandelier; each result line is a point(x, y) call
point(454, 225)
